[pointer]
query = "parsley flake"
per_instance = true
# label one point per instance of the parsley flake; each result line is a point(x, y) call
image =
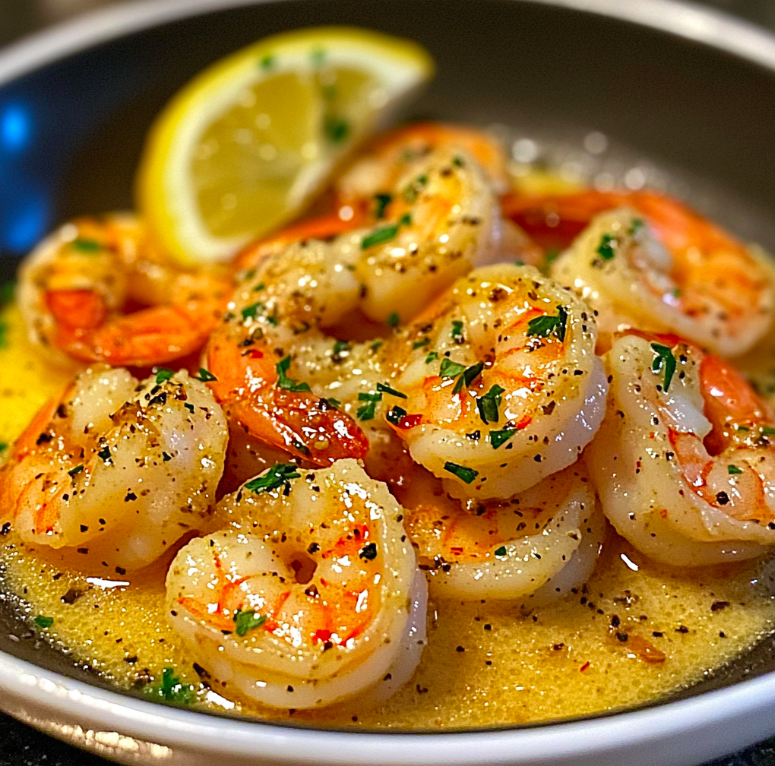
point(336, 129)
point(75, 471)
point(386, 389)
point(498, 438)
point(206, 376)
point(768, 430)
point(500, 552)
point(104, 455)
point(457, 329)
point(43, 622)
point(172, 689)
point(86, 245)
point(664, 360)
point(546, 325)
point(393, 319)
point(381, 202)
point(421, 343)
point(252, 311)
point(247, 620)
point(450, 369)
point(733, 469)
point(470, 374)
point(267, 62)
point(163, 375)
point(279, 475)
point(283, 381)
point(464, 474)
point(635, 226)
point(366, 411)
point(395, 415)
point(607, 247)
point(432, 356)
point(341, 350)
point(488, 405)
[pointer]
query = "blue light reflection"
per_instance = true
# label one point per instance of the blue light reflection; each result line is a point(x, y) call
point(15, 127)
point(23, 219)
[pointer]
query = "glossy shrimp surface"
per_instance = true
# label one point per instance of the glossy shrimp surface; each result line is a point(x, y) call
point(685, 460)
point(309, 595)
point(75, 286)
point(275, 357)
point(648, 261)
point(500, 383)
point(116, 470)
point(533, 547)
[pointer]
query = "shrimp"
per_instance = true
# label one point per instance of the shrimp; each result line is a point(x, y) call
point(499, 384)
point(684, 462)
point(651, 262)
point(533, 547)
point(309, 595)
point(291, 300)
point(75, 285)
point(115, 470)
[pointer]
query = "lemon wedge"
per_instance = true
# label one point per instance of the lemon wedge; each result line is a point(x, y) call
point(246, 144)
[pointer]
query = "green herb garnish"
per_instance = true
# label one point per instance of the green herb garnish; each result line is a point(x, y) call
point(457, 329)
point(544, 326)
point(421, 343)
point(606, 249)
point(86, 245)
point(395, 415)
point(393, 320)
point(498, 438)
point(43, 622)
point(733, 469)
point(450, 369)
point(206, 376)
point(172, 689)
point(366, 411)
point(381, 202)
point(75, 471)
point(247, 620)
point(336, 129)
point(500, 552)
point(163, 375)
point(464, 474)
point(386, 389)
point(283, 381)
point(488, 404)
point(664, 360)
point(279, 475)
point(252, 311)
point(267, 62)
point(432, 356)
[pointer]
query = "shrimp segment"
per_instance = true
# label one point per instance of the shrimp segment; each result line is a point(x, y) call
point(655, 264)
point(684, 462)
point(116, 470)
point(293, 298)
point(310, 595)
point(535, 546)
point(500, 381)
point(75, 285)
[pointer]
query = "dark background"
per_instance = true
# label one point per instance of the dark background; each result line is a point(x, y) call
point(21, 746)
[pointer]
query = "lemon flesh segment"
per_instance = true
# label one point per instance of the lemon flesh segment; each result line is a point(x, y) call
point(245, 146)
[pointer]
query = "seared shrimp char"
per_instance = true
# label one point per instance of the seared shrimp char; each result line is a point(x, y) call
point(652, 263)
point(75, 285)
point(684, 462)
point(116, 470)
point(310, 595)
point(500, 383)
point(535, 546)
point(273, 357)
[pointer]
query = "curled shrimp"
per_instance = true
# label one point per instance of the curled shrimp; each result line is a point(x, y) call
point(533, 547)
point(498, 383)
point(115, 470)
point(310, 595)
point(75, 286)
point(684, 462)
point(292, 299)
point(650, 262)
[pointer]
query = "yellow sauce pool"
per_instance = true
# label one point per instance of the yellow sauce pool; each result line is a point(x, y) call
point(635, 633)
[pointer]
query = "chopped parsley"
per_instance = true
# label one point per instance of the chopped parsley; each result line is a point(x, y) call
point(366, 411)
point(464, 474)
point(334, 402)
point(469, 375)
point(457, 162)
point(376, 345)
point(172, 689)
point(247, 620)
point(3, 446)
point(412, 191)
point(395, 415)
point(7, 290)
point(104, 455)
point(259, 287)
point(636, 225)
point(279, 475)
point(546, 325)
point(489, 403)
point(386, 389)
point(283, 381)
point(3, 334)
point(86, 245)
point(498, 438)
point(252, 311)
point(733, 469)
point(206, 376)
point(341, 348)
point(421, 343)
point(432, 356)
point(381, 202)
point(385, 233)
point(267, 62)
point(165, 457)
point(393, 319)
point(450, 369)
point(768, 430)
point(500, 552)
point(457, 329)
point(163, 375)
point(318, 56)
point(663, 361)
point(75, 471)
point(607, 247)
point(43, 622)
point(336, 129)
point(551, 256)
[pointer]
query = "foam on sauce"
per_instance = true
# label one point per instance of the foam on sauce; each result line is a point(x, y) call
point(635, 633)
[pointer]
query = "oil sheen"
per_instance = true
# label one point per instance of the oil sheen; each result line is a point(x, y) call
point(635, 633)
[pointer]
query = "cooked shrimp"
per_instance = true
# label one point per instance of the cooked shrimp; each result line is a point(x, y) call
point(274, 357)
point(310, 595)
point(390, 155)
point(657, 265)
point(115, 470)
point(500, 383)
point(75, 285)
point(533, 547)
point(684, 462)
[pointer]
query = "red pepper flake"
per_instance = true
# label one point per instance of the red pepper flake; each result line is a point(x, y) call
point(584, 667)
